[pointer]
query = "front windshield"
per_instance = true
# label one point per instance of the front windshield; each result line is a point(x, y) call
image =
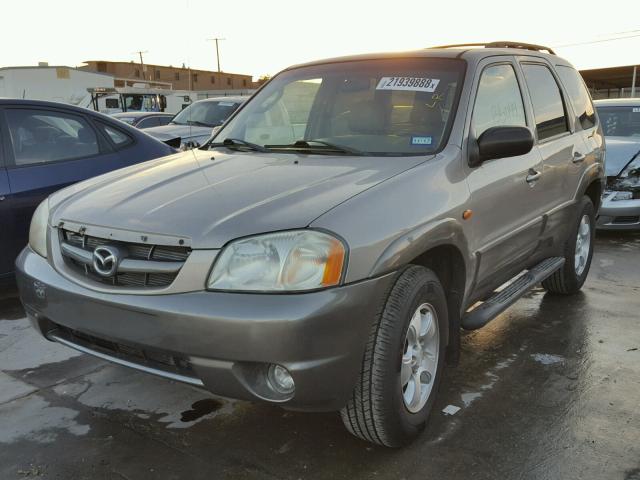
point(206, 114)
point(620, 121)
point(399, 106)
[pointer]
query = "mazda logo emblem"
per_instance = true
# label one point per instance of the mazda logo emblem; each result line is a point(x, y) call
point(106, 260)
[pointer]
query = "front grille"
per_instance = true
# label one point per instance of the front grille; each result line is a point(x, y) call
point(154, 358)
point(154, 255)
point(627, 219)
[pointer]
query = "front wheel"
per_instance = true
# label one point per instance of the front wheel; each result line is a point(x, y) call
point(578, 253)
point(402, 363)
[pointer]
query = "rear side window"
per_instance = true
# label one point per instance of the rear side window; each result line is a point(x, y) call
point(44, 136)
point(498, 101)
point(119, 138)
point(579, 95)
point(548, 108)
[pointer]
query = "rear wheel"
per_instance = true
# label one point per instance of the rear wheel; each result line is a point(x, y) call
point(578, 253)
point(402, 364)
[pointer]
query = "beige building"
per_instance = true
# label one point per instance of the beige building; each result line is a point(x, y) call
point(178, 77)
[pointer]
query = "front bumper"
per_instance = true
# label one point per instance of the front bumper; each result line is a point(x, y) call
point(619, 215)
point(216, 340)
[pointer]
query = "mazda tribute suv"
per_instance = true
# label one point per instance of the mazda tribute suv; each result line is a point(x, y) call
point(324, 249)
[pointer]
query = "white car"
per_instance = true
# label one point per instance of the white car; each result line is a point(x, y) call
point(195, 124)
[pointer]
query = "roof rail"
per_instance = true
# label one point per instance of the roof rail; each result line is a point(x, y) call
point(501, 44)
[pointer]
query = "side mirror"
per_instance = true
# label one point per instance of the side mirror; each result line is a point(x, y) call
point(501, 142)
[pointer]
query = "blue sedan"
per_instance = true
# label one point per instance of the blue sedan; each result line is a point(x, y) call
point(45, 146)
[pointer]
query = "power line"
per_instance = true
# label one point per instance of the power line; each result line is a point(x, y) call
point(599, 41)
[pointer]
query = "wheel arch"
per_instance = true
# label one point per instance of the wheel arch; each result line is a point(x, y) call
point(594, 192)
point(442, 247)
point(592, 184)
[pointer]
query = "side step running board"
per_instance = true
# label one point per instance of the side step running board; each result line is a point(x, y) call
point(500, 301)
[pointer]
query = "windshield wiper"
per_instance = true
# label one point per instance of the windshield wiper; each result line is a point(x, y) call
point(321, 146)
point(198, 124)
point(238, 143)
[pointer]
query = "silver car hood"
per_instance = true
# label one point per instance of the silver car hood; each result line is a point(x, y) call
point(212, 197)
point(620, 151)
point(185, 132)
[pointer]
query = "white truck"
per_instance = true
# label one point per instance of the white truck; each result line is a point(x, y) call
point(92, 90)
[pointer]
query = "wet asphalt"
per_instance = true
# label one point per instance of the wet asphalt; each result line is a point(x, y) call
point(548, 390)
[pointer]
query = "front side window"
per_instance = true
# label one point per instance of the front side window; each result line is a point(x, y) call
point(580, 98)
point(620, 121)
point(498, 101)
point(133, 102)
point(386, 107)
point(545, 94)
point(39, 136)
point(206, 113)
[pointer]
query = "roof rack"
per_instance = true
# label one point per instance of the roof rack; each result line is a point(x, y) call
point(502, 44)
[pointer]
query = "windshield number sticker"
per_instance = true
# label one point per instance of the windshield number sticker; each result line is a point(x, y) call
point(636, 110)
point(421, 140)
point(412, 84)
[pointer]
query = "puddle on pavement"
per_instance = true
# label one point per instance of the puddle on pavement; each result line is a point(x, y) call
point(200, 409)
point(11, 308)
point(547, 358)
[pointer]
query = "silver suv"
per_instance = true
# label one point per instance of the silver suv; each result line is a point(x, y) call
point(324, 249)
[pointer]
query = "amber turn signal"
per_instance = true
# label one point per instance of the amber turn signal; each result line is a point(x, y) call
point(333, 267)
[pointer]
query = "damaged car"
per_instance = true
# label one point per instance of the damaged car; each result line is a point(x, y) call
point(621, 203)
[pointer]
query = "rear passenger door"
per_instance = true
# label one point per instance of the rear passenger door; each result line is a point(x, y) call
point(558, 143)
point(48, 149)
point(506, 201)
point(585, 121)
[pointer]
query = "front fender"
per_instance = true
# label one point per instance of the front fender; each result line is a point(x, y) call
point(421, 239)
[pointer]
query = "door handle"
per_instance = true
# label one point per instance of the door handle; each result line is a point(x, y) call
point(533, 176)
point(578, 157)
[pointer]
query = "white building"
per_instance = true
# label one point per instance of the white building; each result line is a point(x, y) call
point(56, 84)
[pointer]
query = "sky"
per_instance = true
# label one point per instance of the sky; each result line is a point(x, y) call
point(264, 36)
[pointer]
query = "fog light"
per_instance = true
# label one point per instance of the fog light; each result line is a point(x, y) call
point(281, 380)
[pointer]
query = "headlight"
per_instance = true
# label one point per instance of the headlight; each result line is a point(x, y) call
point(629, 178)
point(618, 196)
point(631, 173)
point(285, 261)
point(38, 229)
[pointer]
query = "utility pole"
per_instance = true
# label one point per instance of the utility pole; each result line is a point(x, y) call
point(217, 50)
point(142, 63)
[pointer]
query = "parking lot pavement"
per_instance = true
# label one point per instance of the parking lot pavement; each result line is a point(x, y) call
point(550, 389)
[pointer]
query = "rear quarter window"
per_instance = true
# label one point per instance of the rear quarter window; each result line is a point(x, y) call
point(580, 98)
point(548, 108)
point(117, 136)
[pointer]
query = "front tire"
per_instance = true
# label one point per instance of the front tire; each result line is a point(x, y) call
point(578, 253)
point(402, 364)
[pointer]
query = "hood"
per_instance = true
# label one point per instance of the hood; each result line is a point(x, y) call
point(185, 132)
point(620, 151)
point(212, 197)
